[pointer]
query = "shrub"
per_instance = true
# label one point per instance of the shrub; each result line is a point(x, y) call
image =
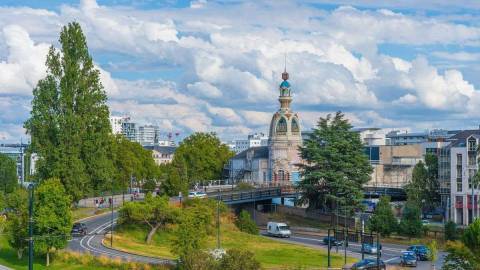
point(239, 259)
point(450, 231)
point(245, 223)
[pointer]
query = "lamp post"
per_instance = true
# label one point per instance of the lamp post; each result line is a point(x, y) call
point(30, 227)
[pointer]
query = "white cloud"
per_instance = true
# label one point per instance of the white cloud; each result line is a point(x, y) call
point(204, 89)
point(457, 56)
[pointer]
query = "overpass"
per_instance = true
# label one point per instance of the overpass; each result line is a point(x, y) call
point(232, 197)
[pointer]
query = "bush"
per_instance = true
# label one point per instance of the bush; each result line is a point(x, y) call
point(239, 259)
point(197, 260)
point(383, 221)
point(450, 231)
point(411, 224)
point(245, 223)
point(244, 186)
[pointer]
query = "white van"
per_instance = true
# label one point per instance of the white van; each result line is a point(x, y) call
point(278, 229)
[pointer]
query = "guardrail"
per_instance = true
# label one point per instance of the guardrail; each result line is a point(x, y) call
point(250, 195)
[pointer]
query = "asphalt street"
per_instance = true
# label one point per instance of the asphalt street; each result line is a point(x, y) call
point(390, 252)
point(91, 243)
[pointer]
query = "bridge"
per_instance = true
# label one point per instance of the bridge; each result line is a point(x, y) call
point(231, 196)
point(253, 195)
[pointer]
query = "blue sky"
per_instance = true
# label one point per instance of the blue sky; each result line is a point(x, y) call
point(215, 65)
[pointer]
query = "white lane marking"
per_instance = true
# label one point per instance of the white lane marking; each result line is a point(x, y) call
point(391, 259)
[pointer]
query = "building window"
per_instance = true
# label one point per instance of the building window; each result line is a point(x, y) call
point(282, 126)
point(459, 159)
point(281, 175)
point(459, 184)
point(295, 126)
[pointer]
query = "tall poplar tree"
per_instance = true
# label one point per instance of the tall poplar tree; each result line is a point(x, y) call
point(69, 124)
point(335, 166)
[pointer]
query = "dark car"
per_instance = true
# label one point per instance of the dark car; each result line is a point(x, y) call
point(421, 251)
point(79, 229)
point(368, 264)
point(408, 258)
point(371, 249)
point(332, 240)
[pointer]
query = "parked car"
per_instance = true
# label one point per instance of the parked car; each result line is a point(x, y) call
point(408, 258)
point(368, 264)
point(332, 240)
point(278, 229)
point(197, 194)
point(79, 229)
point(425, 222)
point(371, 249)
point(421, 251)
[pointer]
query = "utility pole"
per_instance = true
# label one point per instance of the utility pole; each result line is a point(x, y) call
point(30, 227)
point(218, 218)
point(111, 220)
point(329, 247)
point(378, 251)
point(345, 236)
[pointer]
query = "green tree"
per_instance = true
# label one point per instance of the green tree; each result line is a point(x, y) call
point(335, 166)
point(17, 220)
point(198, 260)
point(450, 229)
point(149, 185)
point(471, 237)
point(53, 217)
point(236, 259)
point(172, 182)
point(155, 212)
point(416, 188)
point(201, 156)
point(8, 174)
point(245, 223)
point(432, 195)
point(460, 257)
point(383, 221)
point(68, 124)
point(411, 224)
point(187, 237)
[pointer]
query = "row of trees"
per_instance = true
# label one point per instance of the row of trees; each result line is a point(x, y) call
point(8, 174)
point(52, 218)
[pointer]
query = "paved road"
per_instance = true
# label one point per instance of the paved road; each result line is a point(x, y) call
point(390, 252)
point(92, 242)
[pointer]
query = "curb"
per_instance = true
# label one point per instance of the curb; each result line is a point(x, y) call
point(94, 216)
point(163, 261)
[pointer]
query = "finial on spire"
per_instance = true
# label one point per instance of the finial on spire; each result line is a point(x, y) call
point(285, 73)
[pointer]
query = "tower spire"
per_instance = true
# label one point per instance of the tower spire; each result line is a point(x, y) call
point(285, 73)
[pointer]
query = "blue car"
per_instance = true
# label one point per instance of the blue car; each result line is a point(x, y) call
point(408, 258)
point(421, 251)
point(371, 249)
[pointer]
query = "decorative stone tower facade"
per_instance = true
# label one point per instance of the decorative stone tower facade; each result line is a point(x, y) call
point(284, 139)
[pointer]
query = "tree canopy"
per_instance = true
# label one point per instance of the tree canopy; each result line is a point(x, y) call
point(8, 174)
point(17, 220)
point(383, 221)
point(335, 166)
point(53, 217)
point(465, 254)
point(411, 224)
point(68, 123)
point(423, 189)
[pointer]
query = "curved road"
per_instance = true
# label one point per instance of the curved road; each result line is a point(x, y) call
point(92, 242)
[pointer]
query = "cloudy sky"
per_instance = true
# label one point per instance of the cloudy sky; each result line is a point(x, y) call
point(216, 65)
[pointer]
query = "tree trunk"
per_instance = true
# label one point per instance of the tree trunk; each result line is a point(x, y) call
point(152, 233)
point(19, 253)
point(48, 257)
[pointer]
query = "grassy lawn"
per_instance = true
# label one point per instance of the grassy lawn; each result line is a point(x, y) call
point(270, 253)
point(83, 212)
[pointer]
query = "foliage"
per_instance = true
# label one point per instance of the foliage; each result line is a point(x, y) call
point(423, 189)
point(411, 224)
point(335, 166)
point(450, 229)
point(188, 238)
point(460, 257)
point(8, 174)
point(244, 186)
point(383, 220)
point(17, 220)
point(245, 223)
point(53, 217)
point(68, 124)
point(153, 211)
point(197, 260)
point(471, 237)
point(201, 156)
point(239, 259)
point(433, 250)
point(172, 183)
point(149, 185)
point(132, 161)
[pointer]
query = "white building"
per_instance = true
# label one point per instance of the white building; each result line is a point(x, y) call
point(371, 136)
point(147, 134)
point(463, 166)
point(116, 123)
point(162, 154)
point(253, 140)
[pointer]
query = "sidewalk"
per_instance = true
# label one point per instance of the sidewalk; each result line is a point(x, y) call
point(4, 268)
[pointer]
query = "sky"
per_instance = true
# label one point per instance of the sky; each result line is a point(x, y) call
point(215, 66)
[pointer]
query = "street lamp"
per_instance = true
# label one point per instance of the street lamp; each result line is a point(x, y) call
point(31, 188)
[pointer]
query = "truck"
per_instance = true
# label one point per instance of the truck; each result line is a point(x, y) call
point(278, 229)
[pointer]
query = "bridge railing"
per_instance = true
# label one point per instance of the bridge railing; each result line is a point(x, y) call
point(256, 194)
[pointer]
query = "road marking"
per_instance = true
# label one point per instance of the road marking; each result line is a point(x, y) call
point(391, 259)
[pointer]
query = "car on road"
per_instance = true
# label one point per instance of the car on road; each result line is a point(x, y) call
point(332, 240)
point(408, 258)
point(278, 229)
point(197, 194)
point(368, 264)
point(79, 229)
point(371, 249)
point(421, 251)
point(425, 222)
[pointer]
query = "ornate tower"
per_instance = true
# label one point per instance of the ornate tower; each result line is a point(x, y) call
point(284, 139)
